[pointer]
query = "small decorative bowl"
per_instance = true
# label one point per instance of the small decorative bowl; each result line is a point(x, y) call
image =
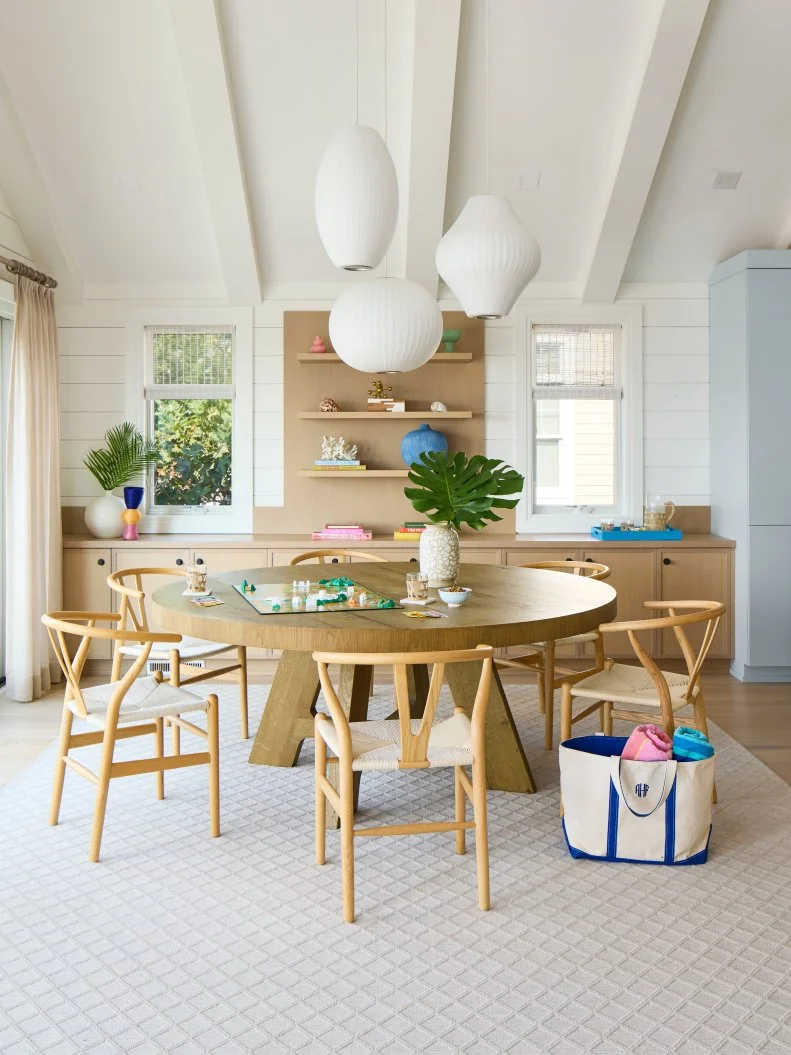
point(455, 598)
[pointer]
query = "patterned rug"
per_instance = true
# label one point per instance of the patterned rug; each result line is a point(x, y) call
point(182, 944)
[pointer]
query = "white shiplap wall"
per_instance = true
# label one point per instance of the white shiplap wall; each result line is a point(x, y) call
point(675, 373)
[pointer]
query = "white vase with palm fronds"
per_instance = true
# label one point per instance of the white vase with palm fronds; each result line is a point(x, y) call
point(126, 458)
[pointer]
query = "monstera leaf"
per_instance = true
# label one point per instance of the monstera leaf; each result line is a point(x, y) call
point(450, 487)
point(126, 457)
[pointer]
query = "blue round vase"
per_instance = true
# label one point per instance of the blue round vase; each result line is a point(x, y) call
point(133, 496)
point(421, 439)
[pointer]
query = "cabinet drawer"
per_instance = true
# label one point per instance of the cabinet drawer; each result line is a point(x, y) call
point(696, 575)
point(632, 576)
point(85, 589)
point(280, 557)
point(218, 561)
point(479, 556)
point(143, 557)
point(516, 557)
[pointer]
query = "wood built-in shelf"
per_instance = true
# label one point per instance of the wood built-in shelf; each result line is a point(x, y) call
point(378, 415)
point(331, 357)
point(350, 474)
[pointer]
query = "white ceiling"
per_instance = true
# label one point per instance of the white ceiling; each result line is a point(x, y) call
point(106, 148)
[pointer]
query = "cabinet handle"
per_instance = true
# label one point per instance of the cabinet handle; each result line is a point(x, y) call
point(413, 560)
point(589, 560)
point(666, 560)
point(569, 558)
point(334, 560)
point(199, 560)
point(179, 561)
point(100, 562)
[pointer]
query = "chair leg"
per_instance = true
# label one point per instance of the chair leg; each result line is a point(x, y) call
point(606, 718)
point(549, 694)
point(347, 838)
point(102, 790)
point(540, 687)
point(175, 681)
point(699, 708)
point(159, 752)
point(461, 810)
point(60, 765)
point(565, 710)
point(213, 728)
point(371, 684)
point(481, 833)
point(244, 714)
point(321, 810)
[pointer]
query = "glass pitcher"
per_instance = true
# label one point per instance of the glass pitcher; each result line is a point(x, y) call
point(657, 513)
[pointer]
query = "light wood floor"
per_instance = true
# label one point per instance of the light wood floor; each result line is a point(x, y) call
point(758, 716)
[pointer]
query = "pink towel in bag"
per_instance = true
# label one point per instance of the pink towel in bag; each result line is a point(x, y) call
point(648, 743)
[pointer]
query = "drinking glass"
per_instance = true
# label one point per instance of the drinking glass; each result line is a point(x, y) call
point(416, 586)
point(657, 512)
point(196, 578)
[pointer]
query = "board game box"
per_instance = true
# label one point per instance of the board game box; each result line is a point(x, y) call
point(299, 596)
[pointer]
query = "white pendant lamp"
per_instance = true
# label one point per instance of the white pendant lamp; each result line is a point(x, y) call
point(356, 198)
point(487, 257)
point(386, 326)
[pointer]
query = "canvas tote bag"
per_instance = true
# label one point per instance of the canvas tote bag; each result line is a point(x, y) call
point(615, 809)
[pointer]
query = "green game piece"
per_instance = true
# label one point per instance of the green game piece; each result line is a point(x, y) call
point(386, 602)
point(340, 582)
point(252, 588)
point(275, 607)
point(243, 586)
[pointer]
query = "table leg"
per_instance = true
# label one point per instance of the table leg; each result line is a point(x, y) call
point(507, 768)
point(288, 716)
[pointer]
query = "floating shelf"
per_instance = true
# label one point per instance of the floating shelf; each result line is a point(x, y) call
point(378, 415)
point(331, 357)
point(354, 474)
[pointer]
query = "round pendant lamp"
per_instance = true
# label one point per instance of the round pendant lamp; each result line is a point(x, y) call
point(386, 326)
point(487, 257)
point(356, 198)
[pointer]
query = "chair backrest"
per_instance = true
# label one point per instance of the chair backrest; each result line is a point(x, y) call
point(413, 745)
point(341, 556)
point(681, 614)
point(63, 625)
point(589, 568)
point(128, 584)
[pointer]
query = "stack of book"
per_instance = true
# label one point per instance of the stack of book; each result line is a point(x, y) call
point(325, 464)
point(392, 406)
point(352, 532)
point(409, 531)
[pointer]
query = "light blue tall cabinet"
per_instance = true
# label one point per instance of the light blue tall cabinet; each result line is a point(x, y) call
point(750, 407)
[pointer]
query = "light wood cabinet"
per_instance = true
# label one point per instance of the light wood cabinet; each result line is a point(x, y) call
point(218, 561)
point(517, 557)
point(633, 577)
point(85, 588)
point(700, 575)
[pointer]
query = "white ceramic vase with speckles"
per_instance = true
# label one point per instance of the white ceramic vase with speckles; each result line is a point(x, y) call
point(439, 554)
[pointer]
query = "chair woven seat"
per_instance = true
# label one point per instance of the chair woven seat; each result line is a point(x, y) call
point(145, 699)
point(188, 648)
point(624, 683)
point(376, 746)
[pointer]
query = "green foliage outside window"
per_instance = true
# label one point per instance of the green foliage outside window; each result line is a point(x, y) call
point(193, 437)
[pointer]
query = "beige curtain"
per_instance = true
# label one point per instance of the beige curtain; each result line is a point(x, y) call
point(32, 507)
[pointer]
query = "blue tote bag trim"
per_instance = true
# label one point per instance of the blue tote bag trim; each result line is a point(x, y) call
point(579, 855)
point(596, 745)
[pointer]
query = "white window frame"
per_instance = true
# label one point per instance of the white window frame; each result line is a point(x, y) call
point(237, 518)
point(629, 317)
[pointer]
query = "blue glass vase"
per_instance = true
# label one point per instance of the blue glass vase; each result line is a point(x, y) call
point(421, 439)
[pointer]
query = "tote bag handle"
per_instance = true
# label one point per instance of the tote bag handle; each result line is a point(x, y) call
point(617, 779)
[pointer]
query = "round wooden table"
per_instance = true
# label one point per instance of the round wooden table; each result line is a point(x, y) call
point(508, 606)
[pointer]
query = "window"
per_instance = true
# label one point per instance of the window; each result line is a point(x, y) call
point(581, 435)
point(197, 410)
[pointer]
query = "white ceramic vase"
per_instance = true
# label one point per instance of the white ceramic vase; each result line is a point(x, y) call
point(103, 516)
point(439, 554)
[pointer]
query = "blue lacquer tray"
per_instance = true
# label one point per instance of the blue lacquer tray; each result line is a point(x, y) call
point(668, 535)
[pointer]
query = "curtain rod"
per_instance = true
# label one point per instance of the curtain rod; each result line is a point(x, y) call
point(16, 267)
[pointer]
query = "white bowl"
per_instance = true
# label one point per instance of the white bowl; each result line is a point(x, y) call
point(454, 598)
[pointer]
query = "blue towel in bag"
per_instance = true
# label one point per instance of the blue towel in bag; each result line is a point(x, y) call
point(691, 745)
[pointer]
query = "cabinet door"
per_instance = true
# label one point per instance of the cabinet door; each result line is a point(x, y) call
point(696, 575)
point(143, 557)
point(479, 556)
point(632, 576)
point(222, 560)
point(85, 589)
point(279, 557)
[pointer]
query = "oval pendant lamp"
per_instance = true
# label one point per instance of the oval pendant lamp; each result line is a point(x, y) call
point(356, 198)
point(487, 257)
point(386, 326)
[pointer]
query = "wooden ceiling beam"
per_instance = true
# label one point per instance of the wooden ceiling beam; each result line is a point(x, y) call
point(200, 48)
point(669, 57)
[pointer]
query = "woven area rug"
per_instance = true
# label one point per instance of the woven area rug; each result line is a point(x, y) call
point(179, 943)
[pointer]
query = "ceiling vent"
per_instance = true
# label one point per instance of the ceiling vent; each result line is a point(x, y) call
point(726, 180)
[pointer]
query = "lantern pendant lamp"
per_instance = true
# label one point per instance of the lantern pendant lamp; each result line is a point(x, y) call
point(356, 199)
point(385, 326)
point(487, 257)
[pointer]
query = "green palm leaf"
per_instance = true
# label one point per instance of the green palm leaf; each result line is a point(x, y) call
point(126, 457)
point(450, 487)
